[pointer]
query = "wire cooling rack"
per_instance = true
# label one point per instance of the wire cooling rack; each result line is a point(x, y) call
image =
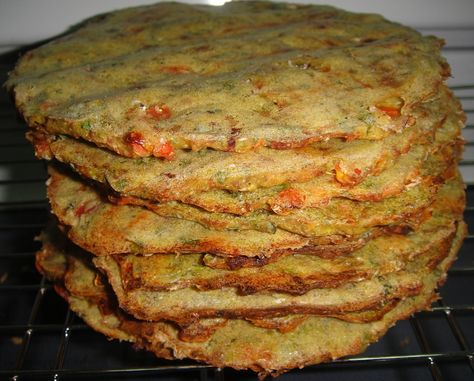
point(41, 339)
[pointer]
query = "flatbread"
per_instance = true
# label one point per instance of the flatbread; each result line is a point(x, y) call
point(188, 304)
point(206, 170)
point(295, 274)
point(338, 217)
point(415, 169)
point(448, 206)
point(247, 75)
point(78, 277)
point(411, 169)
point(265, 140)
point(104, 229)
point(241, 345)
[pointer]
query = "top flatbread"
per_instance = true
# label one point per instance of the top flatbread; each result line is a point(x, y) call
point(151, 80)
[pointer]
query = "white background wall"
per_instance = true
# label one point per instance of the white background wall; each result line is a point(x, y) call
point(26, 21)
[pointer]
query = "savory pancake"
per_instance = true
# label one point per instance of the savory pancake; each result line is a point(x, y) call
point(104, 228)
point(316, 339)
point(349, 163)
point(414, 169)
point(447, 208)
point(80, 278)
point(250, 74)
point(339, 216)
point(259, 185)
point(84, 280)
point(295, 274)
point(411, 169)
point(187, 304)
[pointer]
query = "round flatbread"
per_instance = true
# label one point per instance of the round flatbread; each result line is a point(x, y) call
point(152, 80)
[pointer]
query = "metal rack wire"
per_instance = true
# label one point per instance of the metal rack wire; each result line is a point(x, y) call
point(40, 338)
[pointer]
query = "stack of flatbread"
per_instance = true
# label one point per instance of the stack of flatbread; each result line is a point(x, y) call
point(257, 185)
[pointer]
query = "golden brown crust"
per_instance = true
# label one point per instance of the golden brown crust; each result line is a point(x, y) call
point(270, 353)
point(316, 173)
point(295, 274)
point(105, 229)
